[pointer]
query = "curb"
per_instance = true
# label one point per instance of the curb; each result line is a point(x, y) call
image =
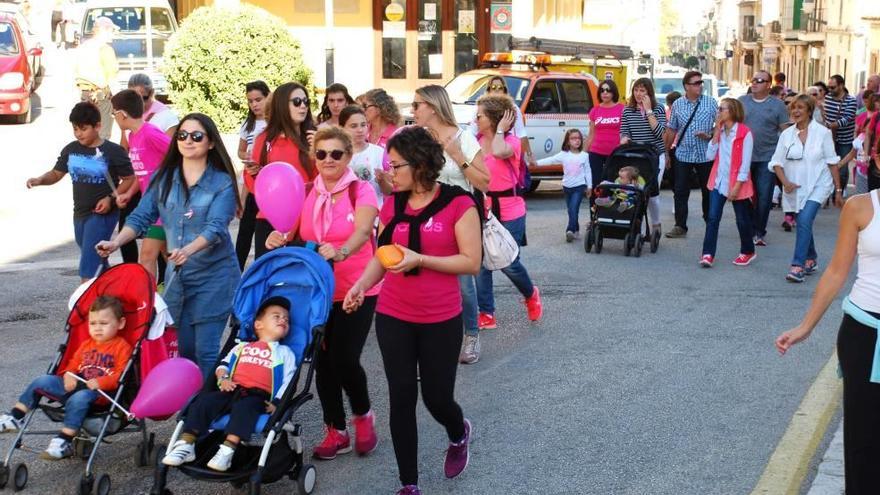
point(787, 468)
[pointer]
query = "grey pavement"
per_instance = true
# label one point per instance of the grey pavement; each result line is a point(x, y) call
point(646, 376)
point(829, 478)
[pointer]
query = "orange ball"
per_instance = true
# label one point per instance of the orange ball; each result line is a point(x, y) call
point(389, 255)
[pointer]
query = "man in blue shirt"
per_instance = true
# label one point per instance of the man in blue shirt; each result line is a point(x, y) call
point(687, 136)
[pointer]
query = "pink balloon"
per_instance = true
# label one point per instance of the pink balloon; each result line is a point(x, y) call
point(167, 388)
point(280, 193)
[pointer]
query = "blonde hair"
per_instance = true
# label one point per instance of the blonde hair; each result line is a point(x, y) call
point(385, 103)
point(806, 100)
point(633, 172)
point(438, 98)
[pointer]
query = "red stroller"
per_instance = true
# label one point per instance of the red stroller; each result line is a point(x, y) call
point(133, 286)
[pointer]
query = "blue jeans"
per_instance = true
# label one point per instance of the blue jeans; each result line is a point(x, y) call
point(842, 150)
point(89, 231)
point(804, 247)
point(76, 404)
point(742, 209)
point(516, 272)
point(469, 310)
point(764, 180)
point(200, 342)
point(573, 198)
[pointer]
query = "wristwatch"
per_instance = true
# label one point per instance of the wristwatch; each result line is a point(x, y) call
point(464, 165)
point(499, 131)
point(344, 251)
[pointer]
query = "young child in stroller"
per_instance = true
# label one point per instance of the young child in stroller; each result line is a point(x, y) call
point(624, 198)
point(252, 379)
point(99, 361)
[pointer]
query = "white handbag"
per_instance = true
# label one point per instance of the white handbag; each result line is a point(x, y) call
point(500, 249)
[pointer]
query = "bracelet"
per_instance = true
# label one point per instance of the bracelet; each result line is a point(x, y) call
point(839, 190)
point(421, 259)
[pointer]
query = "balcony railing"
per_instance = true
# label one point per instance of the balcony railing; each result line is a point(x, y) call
point(813, 22)
point(749, 34)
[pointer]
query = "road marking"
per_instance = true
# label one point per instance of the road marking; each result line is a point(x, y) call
point(787, 468)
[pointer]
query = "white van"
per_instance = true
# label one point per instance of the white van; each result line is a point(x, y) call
point(144, 29)
point(669, 80)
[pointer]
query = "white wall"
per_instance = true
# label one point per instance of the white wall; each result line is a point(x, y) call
point(355, 59)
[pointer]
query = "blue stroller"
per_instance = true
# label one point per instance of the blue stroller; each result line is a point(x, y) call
point(275, 450)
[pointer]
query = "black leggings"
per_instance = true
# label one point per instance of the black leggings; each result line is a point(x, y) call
point(431, 351)
point(861, 403)
point(129, 250)
point(262, 229)
point(246, 225)
point(338, 365)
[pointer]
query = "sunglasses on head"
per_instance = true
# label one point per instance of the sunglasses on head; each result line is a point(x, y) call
point(760, 80)
point(300, 101)
point(334, 154)
point(197, 136)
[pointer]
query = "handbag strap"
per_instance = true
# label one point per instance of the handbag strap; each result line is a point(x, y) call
point(691, 118)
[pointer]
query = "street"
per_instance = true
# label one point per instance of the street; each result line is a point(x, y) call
point(646, 376)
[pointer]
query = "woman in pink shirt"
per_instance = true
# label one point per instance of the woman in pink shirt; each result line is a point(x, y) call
point(418, 314)
point(338, 214)
point(603, 129)
point(382, 115)
point(501, 152)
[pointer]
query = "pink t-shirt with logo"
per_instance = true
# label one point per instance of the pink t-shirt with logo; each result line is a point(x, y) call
point(146, 149)
point(502, 176)
point(430, 296)
point(606, 128)
point(345, 272)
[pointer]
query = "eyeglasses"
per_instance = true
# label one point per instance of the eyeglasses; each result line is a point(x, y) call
point(832, 88)
point(335, 154)
point(794, 154)
point(197, 136)
point(297, 101)
point(760, 80)
point(415, 105)
point(604, 89)
point(146, 97)
point(724, 108)
point(395, 166)
point(117, 113)
point(367, 106)
point(496, 87)
point(696, 83)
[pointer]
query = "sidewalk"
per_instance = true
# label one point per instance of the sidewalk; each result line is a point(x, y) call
point(829, 479)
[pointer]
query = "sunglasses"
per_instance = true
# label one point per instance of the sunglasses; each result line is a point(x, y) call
point(794, 152)
point(724, 108)
point(146, 97)
point(197, 136)
point(496, 87)
point(415, 105)
point(298, 101)
point(696, 83)
point(832, 88)
point(335, 154)
point(760, 80)
point(604, 89)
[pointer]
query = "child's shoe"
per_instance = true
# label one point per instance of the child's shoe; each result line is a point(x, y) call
point(335, 442)
point(457, 455)
point(9, 424)
point(470, 351)
point(181, 453)
point(58, 449)
point(486, 321)
point(222, 459)
point(569, 236)
point(409, 490)
point(533, 305)
point(365, 439)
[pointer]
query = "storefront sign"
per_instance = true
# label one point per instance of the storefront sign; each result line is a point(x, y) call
point(502, 18)
point(394, 12)
point(466, 22)
point(394, 29)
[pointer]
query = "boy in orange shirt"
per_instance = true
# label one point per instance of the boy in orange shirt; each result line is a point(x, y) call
point(99, 360)
point(252, 379)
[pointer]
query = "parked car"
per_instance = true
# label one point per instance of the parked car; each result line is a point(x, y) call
point(144, 29)
point(20, 64)
point(551, 102)
point(669, 80)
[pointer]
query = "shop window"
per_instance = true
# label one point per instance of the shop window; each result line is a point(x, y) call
point(429, 41)
point(393, 39)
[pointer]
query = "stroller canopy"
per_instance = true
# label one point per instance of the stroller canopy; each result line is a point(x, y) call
point(300, 275)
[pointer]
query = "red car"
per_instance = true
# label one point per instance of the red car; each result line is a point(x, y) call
point(18, 77)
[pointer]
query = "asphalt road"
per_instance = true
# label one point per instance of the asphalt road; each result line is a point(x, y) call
point(646, 376)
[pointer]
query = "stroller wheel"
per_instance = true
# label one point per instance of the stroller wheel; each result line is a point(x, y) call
point(104, 485)
point(599, 241)
point(86, 484)
point(142, 455)
point(589, 239)
point(19, 476)
point(4, 476)
point(627, 244)
point(307, 478)
point(638, 247)
point(655, 241)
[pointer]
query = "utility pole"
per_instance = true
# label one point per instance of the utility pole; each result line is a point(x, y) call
point(329, 55)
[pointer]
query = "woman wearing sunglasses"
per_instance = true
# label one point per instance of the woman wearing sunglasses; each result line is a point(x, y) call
point(194, 193)
point(382, 114)
point(155, 112)
point(464, 167)
point(603, 129)
point(369, 162)
point(803, 162)
point(418, 312)
point(497, 86)
point(338, 214)
point(286, 139)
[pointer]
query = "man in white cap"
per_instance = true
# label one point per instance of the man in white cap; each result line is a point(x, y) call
point(97, 69)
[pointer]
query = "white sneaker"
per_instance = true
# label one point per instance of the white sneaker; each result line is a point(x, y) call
point(222, 459)
point(58, 448)
point(8, 424)
point(181, 453)
point(569, 236)
point(470, 353)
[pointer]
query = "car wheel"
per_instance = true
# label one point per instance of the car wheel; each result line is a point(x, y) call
point(534, 185)
point(25, 118)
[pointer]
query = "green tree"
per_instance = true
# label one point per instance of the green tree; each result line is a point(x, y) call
point(218, 50)
point(668, 24)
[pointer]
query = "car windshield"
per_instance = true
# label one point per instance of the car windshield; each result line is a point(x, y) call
point(666, 85)
point(8, 41)
point(466, 89)
point(130, 40)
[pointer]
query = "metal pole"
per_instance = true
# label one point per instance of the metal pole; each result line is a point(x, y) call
point(329, 52)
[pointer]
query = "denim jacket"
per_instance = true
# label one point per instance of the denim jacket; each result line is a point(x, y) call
point(207, 281)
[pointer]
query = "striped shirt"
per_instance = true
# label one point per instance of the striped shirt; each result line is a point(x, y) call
point(635, 126)
point(689, 147)
point(843, 112)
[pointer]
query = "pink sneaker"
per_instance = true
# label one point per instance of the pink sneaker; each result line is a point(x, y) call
point(335, 442)
point(365, 439)
point(744, 259)
point(707, 260)
point(486, 321)
point(534, 306)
